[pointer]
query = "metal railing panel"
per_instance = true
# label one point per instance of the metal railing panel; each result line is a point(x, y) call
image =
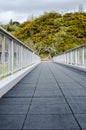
point(14, 55)
point(76, 56)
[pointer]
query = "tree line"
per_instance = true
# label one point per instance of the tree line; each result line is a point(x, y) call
point(51, 33)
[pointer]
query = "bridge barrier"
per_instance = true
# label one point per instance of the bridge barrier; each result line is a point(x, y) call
point(16, 59)
point(73, 57)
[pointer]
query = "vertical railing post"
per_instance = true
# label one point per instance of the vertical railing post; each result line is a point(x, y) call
point(65, 57)
point(11, 57)
point(71, 58)
point(3, 55)
point(82, 56)
point(76, 57)
point(16, 55)
point(21, 58)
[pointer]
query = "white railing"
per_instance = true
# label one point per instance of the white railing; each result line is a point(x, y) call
point(76, 56)
point(14, 55)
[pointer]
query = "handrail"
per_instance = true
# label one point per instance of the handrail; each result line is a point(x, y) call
point(4, 32)
point(75, 56)
point(14, 55)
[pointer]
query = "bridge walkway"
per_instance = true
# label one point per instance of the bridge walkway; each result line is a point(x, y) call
point(50, 97)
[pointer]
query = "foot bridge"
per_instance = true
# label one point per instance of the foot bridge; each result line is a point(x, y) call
point(41, 95)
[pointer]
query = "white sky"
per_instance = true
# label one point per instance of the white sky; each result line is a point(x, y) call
point(20, 10)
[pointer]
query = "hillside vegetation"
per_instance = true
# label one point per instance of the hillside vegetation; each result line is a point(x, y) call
point(51, 33)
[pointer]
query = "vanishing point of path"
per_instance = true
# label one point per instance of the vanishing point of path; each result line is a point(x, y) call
point(50, 97)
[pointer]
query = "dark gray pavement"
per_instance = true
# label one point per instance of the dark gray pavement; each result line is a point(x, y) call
point(50, 97)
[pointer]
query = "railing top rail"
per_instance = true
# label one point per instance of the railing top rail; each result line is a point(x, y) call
point(4, 32)
point(71, 50)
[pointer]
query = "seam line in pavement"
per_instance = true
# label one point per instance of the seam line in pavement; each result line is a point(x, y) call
point(65, 98)
point(74, 79)
point(31, 100)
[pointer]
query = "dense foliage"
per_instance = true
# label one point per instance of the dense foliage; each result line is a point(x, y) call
point(51, 33)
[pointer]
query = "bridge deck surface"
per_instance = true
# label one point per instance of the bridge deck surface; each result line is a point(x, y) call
point(50, 97)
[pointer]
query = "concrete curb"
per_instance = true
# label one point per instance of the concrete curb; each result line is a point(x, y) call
point(73, 67)
point(7, 83)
